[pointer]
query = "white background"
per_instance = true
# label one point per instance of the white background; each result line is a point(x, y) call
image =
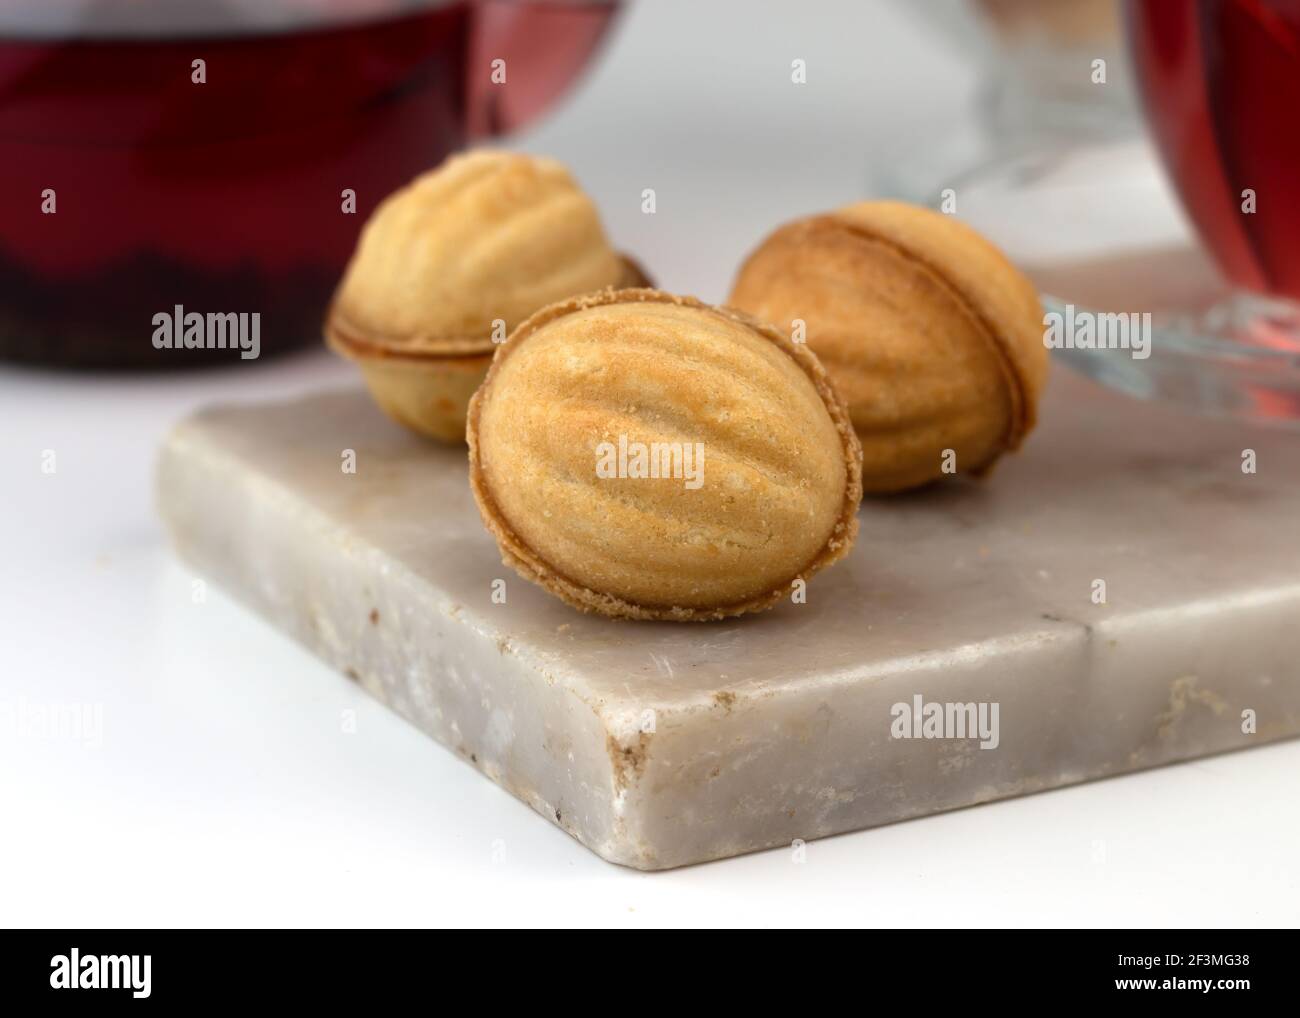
point(224, 791)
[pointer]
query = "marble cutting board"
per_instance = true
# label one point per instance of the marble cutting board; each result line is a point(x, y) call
point(658, 745)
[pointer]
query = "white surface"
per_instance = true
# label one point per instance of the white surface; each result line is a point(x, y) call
point(225, 792)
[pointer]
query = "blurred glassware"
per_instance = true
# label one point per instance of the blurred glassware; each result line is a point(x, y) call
point(1057, 168)
point(131, 187)
point(1221, 80)
point(1032, 54)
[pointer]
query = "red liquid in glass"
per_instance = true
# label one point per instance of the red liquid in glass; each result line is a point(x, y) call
point(1221, 82)
point(227, 196)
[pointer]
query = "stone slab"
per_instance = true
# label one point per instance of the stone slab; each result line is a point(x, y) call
point(658, 745)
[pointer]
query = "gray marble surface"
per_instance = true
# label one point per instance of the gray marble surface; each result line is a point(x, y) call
point(658, 745)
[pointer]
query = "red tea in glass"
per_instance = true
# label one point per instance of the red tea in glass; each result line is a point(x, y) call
point(1221, 83)
point(131, 186)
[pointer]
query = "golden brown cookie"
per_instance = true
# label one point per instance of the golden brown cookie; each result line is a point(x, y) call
point(648, 456)
point(932, 337)
point(449, 264)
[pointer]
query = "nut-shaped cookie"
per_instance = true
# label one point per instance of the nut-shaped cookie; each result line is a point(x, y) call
point(647, 456)
point(932, 337)
point(452, 262)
